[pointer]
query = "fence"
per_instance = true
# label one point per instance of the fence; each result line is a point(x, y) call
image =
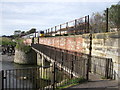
point(98, 23)
point(47, 77)
point(77, 26)
point(28, 78)
point(78, 61)
point(75, 61)
point(102, 66)
point(68, 68)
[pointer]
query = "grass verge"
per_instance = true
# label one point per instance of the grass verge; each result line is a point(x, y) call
point(71, 82)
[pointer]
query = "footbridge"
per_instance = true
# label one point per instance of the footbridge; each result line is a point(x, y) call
point(71, 62)
point(74, 63)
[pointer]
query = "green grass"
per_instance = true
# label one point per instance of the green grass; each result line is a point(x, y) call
point(71, 82)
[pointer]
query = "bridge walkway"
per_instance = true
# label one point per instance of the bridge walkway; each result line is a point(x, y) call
point(97, 82)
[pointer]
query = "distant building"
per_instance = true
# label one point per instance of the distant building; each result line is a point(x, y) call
point(17, 32)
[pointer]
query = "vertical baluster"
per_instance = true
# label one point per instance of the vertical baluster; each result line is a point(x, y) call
point(66, 28)
point(6, 80)
point(2, 79)
point(55, 30)
point(26, 75)
point(60, 29)
point(48, 32)
point(51, 31)
point(41, 68)
point(75, 31)
point(29, 78)
point(38, 77)
point(9, 80)
point(13, 77)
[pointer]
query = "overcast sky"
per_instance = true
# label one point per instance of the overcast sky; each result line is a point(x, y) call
point(42, 14)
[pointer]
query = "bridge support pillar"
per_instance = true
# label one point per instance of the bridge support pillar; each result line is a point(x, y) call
point(43, 61)
point(40, 59)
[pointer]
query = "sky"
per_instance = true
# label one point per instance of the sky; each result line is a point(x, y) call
point(43, 14)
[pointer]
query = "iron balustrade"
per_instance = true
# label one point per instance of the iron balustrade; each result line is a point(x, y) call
point(77, 62)
point(74, 61)
point(27, 78)
point(67, 65)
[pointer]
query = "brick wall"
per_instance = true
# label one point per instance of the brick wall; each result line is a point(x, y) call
point(103, 44)
point(73, 43)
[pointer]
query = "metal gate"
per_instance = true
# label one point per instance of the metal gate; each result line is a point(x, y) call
point(102, 66)
point(29, 78)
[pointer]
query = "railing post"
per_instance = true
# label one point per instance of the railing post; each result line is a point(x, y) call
point(66, 27)
point(88, 24)
point(35, 34)
point(75, 26)
point(62, 57)
point(48, 32)
point(107, 20)
point(89, 58)
point(51, 31)
point(38, 39)
point(33, 40)
point(2, 79)
point(53, 80)
point(55, 29)
point(60, 29)
point(72, 66)
point(85, 24)
point(111, 69)
point(107, 69)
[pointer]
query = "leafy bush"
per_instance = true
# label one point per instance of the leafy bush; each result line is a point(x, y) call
point(6, 41)
point(23, 47)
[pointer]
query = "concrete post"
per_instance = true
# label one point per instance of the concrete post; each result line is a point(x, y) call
point(38, 59)
point(43, 61)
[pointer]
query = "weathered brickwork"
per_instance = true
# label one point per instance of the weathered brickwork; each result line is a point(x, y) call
point(28, 41)
point(73, 43)
point(103, 45)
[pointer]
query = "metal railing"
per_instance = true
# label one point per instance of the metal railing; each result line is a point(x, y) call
point(73, 61)
point(102, 66)
point(28, 78)
point(37, 78)
point(67, 66)
point(78, 62)
point(77, 26)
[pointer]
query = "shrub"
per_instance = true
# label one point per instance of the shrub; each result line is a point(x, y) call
point(23, 47)
point(6, 41)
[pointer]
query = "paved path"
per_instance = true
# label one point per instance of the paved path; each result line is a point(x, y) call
point(96, 82)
